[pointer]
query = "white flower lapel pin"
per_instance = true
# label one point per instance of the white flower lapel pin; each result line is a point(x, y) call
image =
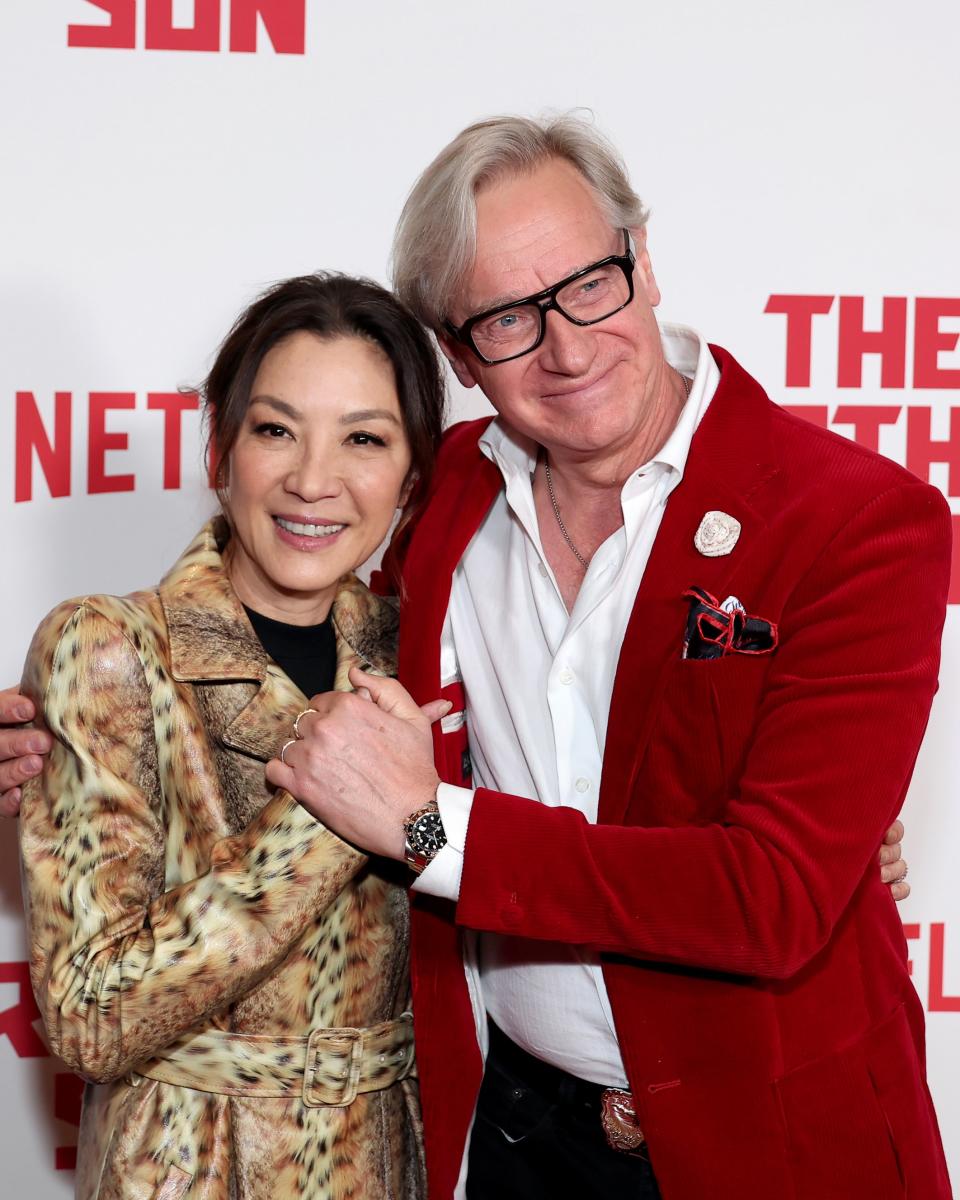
point(717, 534)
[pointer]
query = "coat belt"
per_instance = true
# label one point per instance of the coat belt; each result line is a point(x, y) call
point(328, 1067)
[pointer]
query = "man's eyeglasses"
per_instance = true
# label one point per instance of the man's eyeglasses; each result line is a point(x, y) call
point(584, 298)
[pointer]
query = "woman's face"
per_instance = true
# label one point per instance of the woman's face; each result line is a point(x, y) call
point(316, 474)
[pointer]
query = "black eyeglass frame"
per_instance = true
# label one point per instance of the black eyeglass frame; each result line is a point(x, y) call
point(546, 301)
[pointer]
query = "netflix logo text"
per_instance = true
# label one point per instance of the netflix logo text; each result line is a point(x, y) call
point(933, 939)
point(46, 448)
point(210, 25)
point(18, 1025)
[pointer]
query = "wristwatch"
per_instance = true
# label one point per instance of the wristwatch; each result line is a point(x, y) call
point(425, 836)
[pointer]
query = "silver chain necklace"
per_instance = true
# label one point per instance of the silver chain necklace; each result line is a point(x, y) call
point(585, 562)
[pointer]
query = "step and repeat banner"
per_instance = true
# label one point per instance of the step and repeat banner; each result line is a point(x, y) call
point(164, 160)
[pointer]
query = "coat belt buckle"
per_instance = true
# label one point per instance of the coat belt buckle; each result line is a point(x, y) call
point(620, 1124)
point(338, 1082)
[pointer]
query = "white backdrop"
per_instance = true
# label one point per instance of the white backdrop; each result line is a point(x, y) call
point(157, 173)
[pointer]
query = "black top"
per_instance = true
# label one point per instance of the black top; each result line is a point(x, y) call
point(307, 653)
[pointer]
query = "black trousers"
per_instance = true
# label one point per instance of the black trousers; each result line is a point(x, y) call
point(537, 1134)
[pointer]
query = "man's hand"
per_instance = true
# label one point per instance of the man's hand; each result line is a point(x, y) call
point(367, 795)
point(362, 768)
point(20, 749)
point(893, 867)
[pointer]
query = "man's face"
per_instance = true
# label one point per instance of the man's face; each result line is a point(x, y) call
point(586, 390)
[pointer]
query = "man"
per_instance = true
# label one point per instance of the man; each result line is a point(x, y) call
point(698, 640)
point(691, 929)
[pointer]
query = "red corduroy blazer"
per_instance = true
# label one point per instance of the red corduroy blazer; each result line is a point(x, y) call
point(756, 965)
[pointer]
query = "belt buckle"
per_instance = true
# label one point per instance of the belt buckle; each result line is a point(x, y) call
point(619, 1119)
point(407, 1049)
point(341, 1090)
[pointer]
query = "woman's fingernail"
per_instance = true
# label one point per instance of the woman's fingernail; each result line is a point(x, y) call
point(22, 712)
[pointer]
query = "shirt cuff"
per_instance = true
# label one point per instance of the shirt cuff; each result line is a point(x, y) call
point(441, 877)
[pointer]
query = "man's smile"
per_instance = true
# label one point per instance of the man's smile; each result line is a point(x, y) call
point(581, 389)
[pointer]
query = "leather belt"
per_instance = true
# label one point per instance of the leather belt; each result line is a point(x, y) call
point(614, 1106)
point(327, 1068)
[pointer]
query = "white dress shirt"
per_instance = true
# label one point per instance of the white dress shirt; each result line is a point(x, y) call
point(538, 684)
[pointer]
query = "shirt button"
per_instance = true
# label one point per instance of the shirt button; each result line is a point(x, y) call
point(542, 569)
point(583, 785)
point(566, 675)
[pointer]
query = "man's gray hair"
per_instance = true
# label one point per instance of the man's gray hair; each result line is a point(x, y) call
point(436, 236)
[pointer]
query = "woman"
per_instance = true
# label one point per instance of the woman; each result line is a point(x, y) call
point(230, 975)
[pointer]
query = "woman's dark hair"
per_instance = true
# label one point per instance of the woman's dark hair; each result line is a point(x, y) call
point(330, 305)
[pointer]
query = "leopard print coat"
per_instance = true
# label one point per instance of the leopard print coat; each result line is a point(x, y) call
point(169, 889)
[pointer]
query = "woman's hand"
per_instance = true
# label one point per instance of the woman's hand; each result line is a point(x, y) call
point(362, 768)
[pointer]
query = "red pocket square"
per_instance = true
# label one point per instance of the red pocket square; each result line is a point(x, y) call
point(715, 630)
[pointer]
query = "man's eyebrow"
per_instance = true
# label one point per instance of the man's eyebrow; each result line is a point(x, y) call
point(516, 297)
point(369, 414)
point(280, 405)
point(497, 301)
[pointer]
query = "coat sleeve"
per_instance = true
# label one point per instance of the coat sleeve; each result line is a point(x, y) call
point(120, 966)
point(831, 754)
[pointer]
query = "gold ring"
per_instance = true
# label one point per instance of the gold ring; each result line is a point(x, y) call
point(296, 725)
point(284, 748)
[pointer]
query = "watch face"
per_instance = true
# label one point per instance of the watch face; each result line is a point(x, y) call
point(426, 834)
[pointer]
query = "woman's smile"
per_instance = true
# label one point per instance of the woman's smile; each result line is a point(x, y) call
point(305, 533)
